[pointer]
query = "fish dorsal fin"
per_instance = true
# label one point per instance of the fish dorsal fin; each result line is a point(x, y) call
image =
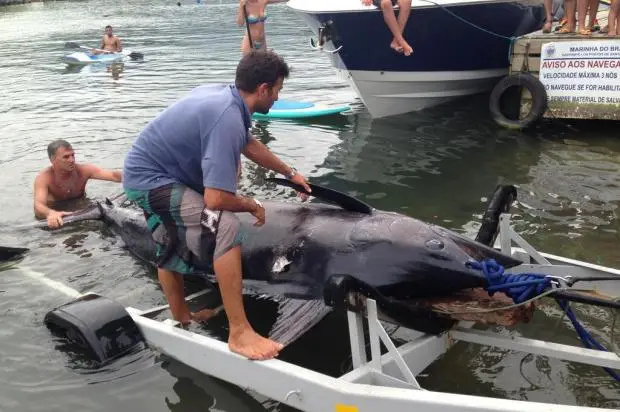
point(343, 200)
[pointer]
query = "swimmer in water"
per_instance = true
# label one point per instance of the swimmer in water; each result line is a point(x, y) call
point(63, 180)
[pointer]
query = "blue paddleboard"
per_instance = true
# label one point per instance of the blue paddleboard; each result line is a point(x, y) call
point(85, 58)
point(290, 109)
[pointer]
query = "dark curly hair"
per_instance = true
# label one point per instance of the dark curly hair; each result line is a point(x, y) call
point(257, 67)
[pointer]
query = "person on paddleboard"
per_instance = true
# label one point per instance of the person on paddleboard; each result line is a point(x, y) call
point(253, 14)
point(64, 180)
point(110, 43)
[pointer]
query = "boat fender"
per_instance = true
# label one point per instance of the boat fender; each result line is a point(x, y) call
point(505, 100)
point(96, 326)
point(500, 202)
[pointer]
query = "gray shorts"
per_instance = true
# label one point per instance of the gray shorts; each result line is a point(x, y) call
point(189, 236)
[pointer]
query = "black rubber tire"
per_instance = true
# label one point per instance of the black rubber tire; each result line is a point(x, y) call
point(505, 101)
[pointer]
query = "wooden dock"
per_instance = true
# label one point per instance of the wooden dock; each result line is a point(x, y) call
point(526, 58)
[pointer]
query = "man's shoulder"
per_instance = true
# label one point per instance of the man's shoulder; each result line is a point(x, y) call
point(44, 176)
point(215, 101)
point(215, 90)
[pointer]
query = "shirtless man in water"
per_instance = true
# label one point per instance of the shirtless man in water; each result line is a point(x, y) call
point(64, 180)
point(110, 43)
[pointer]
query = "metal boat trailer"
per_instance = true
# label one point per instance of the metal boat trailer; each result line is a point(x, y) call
point(386, 381)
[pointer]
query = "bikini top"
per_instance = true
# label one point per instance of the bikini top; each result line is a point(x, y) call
point(252, 19)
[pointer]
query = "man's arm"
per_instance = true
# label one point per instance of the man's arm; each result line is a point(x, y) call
point(95, 172)
point(119, 47)
point(259, 154)
point(216, 199)
point(40, 197)
point(241, 13)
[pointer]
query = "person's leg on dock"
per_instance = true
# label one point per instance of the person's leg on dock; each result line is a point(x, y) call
point(548, 16)
point(592, 12)
point(570, 7)
point(613, 18)
point(582, 11)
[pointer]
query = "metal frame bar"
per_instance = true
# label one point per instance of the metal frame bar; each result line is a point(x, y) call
point(311, 391)
point(385, 381)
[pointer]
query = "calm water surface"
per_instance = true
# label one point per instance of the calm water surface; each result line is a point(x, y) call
point(437, 165)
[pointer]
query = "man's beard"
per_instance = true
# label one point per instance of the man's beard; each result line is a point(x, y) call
point(263, 109)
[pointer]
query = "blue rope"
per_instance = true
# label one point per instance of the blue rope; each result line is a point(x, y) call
point(519, 287)
point(511, 39)
point(522, 287)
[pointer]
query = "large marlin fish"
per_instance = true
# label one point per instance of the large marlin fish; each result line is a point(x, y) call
point(319, 256)
point(317, 253)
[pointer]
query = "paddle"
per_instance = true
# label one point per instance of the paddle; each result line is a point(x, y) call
point(247, 26)
point(73, 45)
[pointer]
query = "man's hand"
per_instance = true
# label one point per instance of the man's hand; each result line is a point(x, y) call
point(54, 219)
point(366, 2)
point(302, 181)
point(259, 213)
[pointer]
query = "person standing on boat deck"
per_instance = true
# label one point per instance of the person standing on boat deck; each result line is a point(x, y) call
point(182, 170)
point(63, 180)
point(109, 43)
point(396, 26)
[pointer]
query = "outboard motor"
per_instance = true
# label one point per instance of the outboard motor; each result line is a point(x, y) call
point(500, 202)
point(99, 326)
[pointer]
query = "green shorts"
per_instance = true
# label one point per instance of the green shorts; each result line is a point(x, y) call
point(189, 236)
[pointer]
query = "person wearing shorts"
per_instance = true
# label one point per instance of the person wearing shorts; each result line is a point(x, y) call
point(183, 170)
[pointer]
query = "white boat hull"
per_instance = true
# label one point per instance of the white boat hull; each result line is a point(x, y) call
point(392, 93)
point(461, 48)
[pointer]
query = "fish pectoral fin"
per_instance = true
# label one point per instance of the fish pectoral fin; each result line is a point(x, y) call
point(295, 318)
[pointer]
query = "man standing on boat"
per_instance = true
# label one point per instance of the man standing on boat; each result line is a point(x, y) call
point(63, 180)
point(110, 43)
point(182, 171)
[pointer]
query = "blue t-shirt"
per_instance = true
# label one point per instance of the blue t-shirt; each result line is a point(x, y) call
point(197, 142)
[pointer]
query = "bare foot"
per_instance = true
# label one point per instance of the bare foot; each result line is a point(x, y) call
point(407, 49)
point(204, 315)
point(547, 27)
point(248, 343)
point(185, 320)
point(396, 46)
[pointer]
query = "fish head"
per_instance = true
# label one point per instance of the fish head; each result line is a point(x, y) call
point(407, 258)
point(403, 263)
